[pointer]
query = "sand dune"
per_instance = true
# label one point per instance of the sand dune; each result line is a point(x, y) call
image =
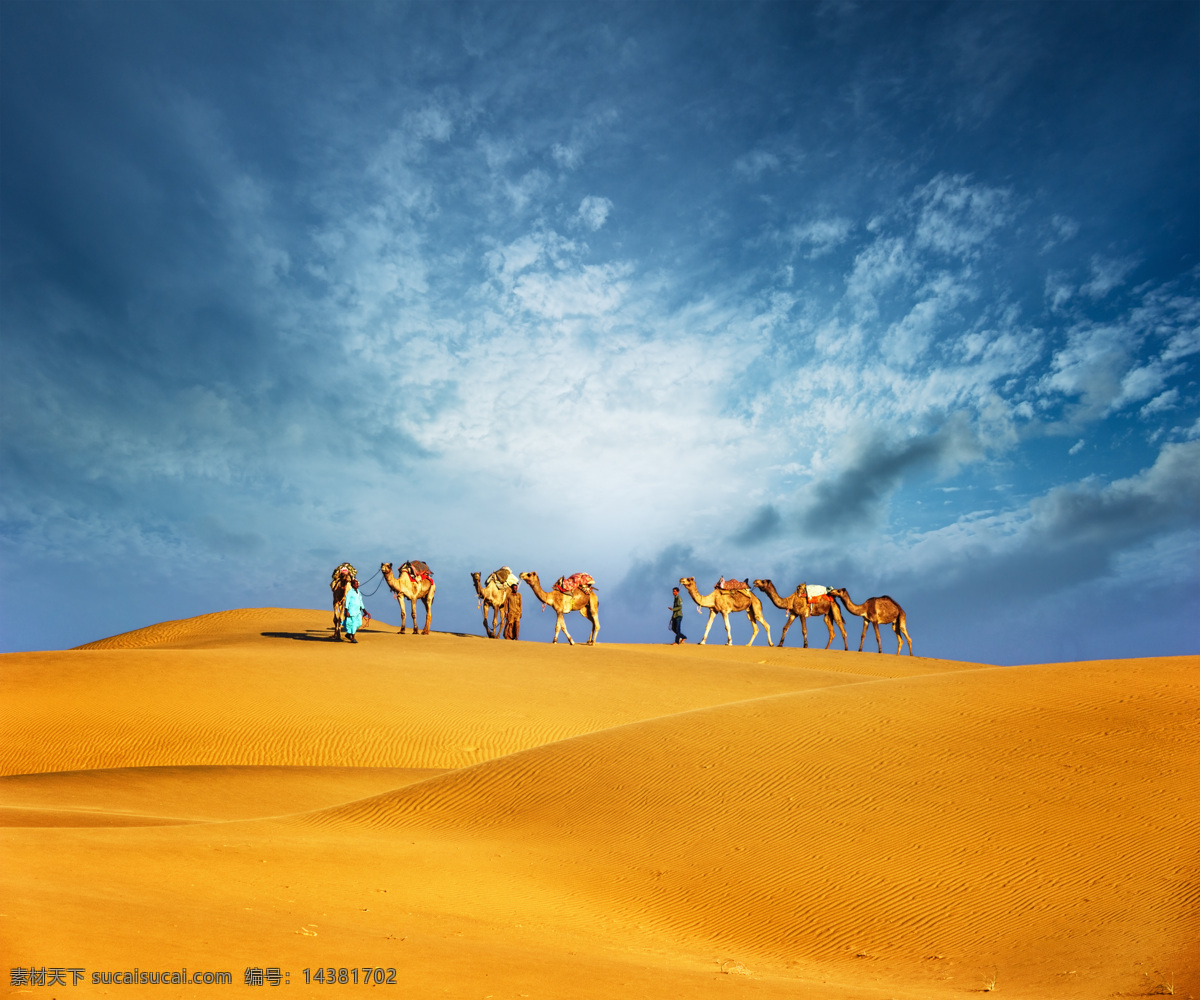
point(517, 819)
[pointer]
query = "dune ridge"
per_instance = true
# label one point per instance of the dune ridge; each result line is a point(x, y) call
point(501, 818)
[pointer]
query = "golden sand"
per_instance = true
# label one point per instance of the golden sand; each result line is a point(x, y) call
point(497, 819)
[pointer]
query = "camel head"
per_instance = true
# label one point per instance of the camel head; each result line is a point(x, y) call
point(528, 576)
point(688, 581)
point(385, 567)
point(841, 592)
point(763, 584)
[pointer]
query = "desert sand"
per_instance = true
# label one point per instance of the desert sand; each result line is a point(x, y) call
point(495, 819)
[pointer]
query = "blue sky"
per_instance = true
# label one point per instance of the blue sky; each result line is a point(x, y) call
point(901, 297)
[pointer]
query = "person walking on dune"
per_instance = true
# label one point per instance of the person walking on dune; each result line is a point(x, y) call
point(677, 617)
point(512, 614)
point(354, 611)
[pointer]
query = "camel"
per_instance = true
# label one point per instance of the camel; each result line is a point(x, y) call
point(338, 584)
point(799, 605)
point(877, 611)
point(721, 602)
point(585, 601)
point(415, 589)
point(494, 595)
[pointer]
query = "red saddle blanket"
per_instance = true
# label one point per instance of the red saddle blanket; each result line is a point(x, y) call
point(576, 581)
point(732, 584)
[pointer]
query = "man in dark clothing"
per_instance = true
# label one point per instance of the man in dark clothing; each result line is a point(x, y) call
point(512, 614)
point(677, 617)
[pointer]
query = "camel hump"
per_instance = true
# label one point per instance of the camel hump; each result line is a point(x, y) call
point(574, 582)
point(503, 577)
point(419, 569)
point(732, 583)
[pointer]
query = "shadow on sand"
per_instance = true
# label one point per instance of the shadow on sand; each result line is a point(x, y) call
point(326, 635)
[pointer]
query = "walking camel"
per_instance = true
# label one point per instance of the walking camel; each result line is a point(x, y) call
point(799, 605)
point(493, 595)
point(721, 602)
point(415, 583)
point(585, 601)
point(877, 611)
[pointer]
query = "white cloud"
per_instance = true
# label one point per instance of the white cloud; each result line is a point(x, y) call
point(956, 217)
point(567, 155)
point(1161, 403)
point(1107, 274)
point(821, 236)
point(593, 211)
point(754, 164)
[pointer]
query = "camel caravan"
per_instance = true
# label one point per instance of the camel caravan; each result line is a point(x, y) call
point(499, 594)
point(806, 601)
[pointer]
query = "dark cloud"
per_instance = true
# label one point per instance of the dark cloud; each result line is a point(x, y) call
point(767, 523)
point(855, 496)
point(663, 571)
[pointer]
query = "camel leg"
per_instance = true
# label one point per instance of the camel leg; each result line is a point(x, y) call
point(712, 615)
point(560, 623)
point(754, 628)
point(901, 627)
point(404, 613)
point(765, 625)
point(428, 615)
point(863, 637)
point(829, 625)
point(595, 626)
point(878, 641)
point(841, 628)
point(728, 634)
point(804, 629)
point(787, 625)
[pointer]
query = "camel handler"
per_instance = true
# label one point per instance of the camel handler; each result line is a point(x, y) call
point(677, 617)
point(512, 614)
point(354, 610)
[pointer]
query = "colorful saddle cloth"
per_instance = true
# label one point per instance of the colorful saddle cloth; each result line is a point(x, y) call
point(574, 582)
point(503, 577)
point(417, 570)
point(811, 591)
point(343, 574)
point(732, 584)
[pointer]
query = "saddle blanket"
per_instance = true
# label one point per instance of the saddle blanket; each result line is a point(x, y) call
point(419, 570)
point(732, 584)
point(503, 577)
point(815, 590)
point(576, 581)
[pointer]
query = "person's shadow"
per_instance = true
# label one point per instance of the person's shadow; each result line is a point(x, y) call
point(312, 635)
point(326, 635)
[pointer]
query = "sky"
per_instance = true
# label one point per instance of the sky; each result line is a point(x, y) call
point(900, 297)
